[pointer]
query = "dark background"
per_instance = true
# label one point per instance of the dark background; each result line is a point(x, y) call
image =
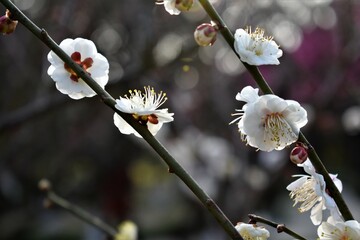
point(44, 134)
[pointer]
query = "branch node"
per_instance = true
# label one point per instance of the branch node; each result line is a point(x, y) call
point(280, 228)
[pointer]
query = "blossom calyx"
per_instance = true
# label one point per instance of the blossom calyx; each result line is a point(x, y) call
point(205, 34)
point(184, 5)
point(298, 154)
point(7, 25)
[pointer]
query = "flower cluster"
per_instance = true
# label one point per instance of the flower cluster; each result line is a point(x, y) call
point(265, 122)
point(310, 192)
point(268, 122)
point(144, 108)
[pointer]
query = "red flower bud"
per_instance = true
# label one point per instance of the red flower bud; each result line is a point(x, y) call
point(298, 155)
point(205, 34)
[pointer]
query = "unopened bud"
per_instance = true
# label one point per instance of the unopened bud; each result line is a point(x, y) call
point(7, 25)
point(298, 155)
point(184, 5)
point(205, 34)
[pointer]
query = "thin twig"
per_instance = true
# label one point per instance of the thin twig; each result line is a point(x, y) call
point(279, 227)
point(174, 166)
point(265, 88)
point(45, 186)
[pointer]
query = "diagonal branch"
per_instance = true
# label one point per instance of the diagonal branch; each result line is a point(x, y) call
point(174, 166)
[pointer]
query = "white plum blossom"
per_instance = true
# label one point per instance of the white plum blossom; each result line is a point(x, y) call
point(175, 7)
point(331, 230)
point(268, 122)
point(144, 108)
point(310, 191)
point(255, 49)
point(84, 53)
point(252, 232)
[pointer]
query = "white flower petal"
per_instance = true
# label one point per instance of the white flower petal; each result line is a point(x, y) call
point(123, 126)
point(170, 7)
point(316, 213)
point(248, 94)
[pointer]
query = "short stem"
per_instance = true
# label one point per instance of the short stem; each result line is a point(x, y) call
point(280, 227)
point(174, 166)
point(265, 88)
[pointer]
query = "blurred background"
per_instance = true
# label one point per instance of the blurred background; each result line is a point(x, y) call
point(74, 144)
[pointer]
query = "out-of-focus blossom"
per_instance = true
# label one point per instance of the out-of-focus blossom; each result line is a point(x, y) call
point(331, 230)
point(7, 25)
point(127, 230)
point(205, 34)
point(310, 192)
point(252, 232)
point(255, 49)
point(84, 53)
point(268, 122)
point(144, 108)
point(175, 7)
